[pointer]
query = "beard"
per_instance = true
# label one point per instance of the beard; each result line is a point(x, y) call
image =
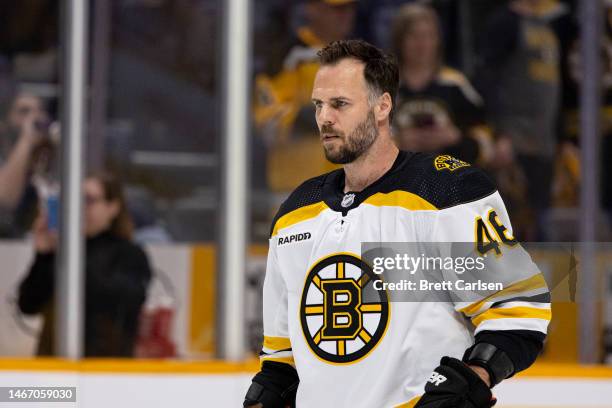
point(356, 144)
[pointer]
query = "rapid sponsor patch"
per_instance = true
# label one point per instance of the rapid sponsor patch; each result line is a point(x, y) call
point(290, 239)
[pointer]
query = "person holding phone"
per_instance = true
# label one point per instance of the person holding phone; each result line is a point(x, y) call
point(117, 273)
point(438, 109)
point(23, 133)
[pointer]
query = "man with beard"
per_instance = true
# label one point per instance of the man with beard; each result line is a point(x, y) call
point(329, 339)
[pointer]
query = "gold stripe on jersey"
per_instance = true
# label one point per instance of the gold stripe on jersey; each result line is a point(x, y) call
point(521, 312)
point(299, 215)
point(276, 343)
point(410, 404)
point(400, 198)
point(532, 283)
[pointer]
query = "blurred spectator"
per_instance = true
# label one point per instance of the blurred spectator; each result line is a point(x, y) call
point(374, 17)
point(147, 226)
point(177, 36)
point(521, 84)
point(23, 141)
point(566, 188)
point(606, 148)
point(438, 109)
point(117, 274)
point(29, 36)
point(284, 114)
point(566, 177)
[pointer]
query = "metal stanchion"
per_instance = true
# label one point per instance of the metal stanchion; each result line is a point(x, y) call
point(69, 277)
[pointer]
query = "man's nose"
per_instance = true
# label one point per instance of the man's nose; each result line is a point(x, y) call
point(326, 116)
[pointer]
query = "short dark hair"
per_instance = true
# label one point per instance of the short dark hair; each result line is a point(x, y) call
point(381, 71)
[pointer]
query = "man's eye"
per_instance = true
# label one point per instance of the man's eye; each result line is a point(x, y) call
point(339, 104)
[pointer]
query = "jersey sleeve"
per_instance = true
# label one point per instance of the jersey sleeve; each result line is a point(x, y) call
point(276, 343)
point(516, 317)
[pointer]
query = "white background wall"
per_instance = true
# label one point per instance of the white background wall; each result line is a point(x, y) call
point(174, 261)
point(15, 260)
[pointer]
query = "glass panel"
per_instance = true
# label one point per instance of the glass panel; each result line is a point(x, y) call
point(158, 130)
point(29, 174)
point(504, 98)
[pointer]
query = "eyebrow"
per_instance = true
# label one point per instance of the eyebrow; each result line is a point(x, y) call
point(334, 99)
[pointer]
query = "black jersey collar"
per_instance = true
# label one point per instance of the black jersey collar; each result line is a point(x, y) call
point(333, 187)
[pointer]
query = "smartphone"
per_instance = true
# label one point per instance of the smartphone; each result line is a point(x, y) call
point(42, 126)
point(53, 212)
point(423, 120)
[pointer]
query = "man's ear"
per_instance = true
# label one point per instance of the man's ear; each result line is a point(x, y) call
point(383, 108)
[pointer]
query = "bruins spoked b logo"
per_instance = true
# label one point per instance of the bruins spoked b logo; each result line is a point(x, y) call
point(343, 318)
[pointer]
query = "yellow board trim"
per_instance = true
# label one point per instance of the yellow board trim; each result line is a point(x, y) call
point(299, 215)
point(521, 312)
point(562, 370)
point(534, 282)
point(202, 316)
point(276, 343)
point(128, 366)
point(402, 199)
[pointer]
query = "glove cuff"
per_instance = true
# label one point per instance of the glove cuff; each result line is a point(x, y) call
point(257, 393)
point(495, 361)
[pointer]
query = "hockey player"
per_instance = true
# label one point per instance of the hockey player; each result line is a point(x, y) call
point(325, 345)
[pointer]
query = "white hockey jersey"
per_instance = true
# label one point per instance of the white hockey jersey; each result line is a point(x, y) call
point(349, 352)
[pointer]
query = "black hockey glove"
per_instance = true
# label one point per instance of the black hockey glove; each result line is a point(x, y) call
point(275, 386)
point(455, 385)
